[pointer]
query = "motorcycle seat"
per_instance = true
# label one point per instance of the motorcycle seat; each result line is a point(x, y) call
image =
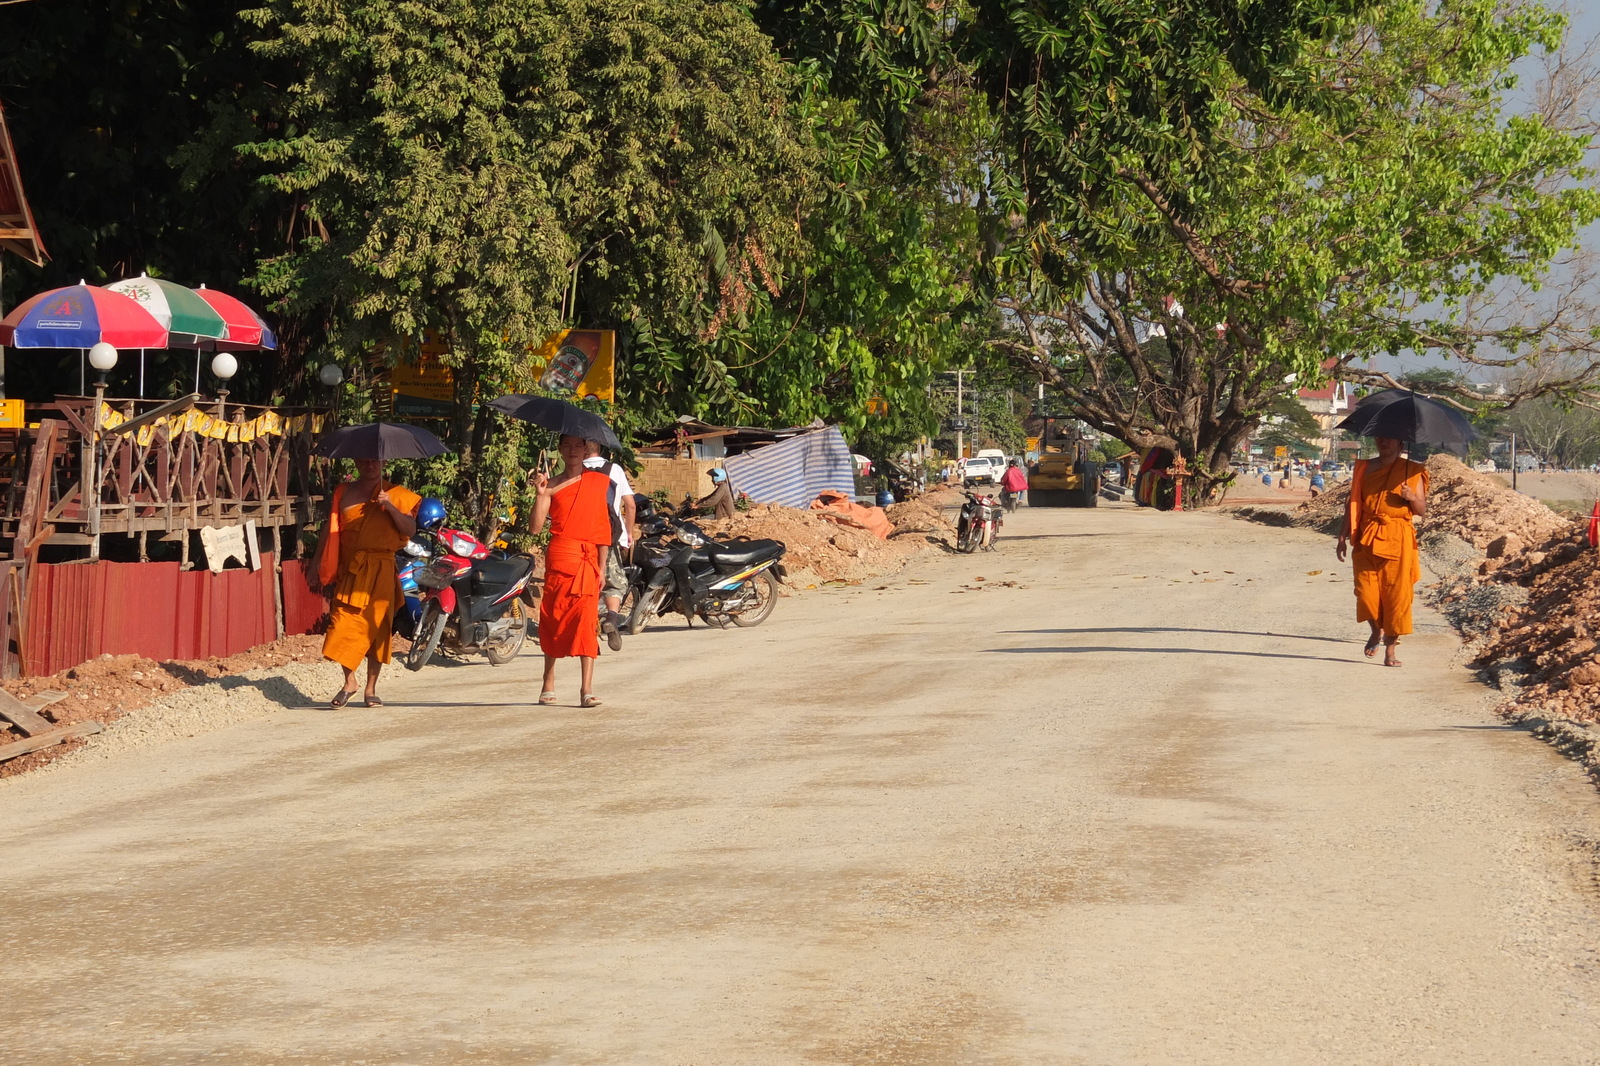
point(740, 554)
point(499, 572)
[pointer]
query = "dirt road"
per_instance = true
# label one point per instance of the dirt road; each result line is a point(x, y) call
point(1147, 805)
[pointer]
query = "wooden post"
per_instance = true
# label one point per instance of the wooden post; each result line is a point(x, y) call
point(277, 580)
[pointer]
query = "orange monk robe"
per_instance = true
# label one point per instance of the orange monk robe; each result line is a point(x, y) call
point(361, 617)
point(580, 525)
point(1384, 543)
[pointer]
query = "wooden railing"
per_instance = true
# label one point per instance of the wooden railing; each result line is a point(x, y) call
point(158, 466)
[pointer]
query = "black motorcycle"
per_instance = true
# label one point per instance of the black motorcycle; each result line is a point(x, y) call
point(676, 567)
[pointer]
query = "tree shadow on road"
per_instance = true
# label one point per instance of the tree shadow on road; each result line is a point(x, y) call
point(1108, 649)
point(1181, 629)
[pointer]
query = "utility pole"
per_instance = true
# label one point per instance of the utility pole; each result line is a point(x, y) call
point(961, 424)
point(1513, 461)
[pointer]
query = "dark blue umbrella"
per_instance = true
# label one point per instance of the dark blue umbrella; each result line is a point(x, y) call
point(380, 440)
point(1403, 415)
point(557, 415)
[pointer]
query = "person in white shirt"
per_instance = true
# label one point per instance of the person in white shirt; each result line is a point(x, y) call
point(623, 523)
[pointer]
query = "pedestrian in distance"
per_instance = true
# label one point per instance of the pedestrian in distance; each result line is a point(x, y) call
point(1386, 493)
point(1013, 483)
point(369, 520)
point(1317, 484)
point(577, 503)
point(623, 522)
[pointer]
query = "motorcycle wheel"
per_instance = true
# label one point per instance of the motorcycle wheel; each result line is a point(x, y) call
point(645, 607)
point(765, 589)
point(430, 627)
point(507, 649)
point(970, 538)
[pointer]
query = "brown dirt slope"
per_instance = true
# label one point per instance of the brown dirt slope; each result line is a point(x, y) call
point(111, 686)
point(822, 551)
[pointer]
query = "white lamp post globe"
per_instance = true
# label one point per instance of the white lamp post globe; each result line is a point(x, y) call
point(103, 356)
point(330, 375)
point(224, 366)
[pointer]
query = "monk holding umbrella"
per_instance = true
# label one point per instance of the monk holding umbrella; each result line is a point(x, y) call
point(577, 504)
point(1386, 494)
point(369, 520)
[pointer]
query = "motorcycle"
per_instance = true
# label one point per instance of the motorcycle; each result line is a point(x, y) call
point(979, 523)
point(472, 598)
point(676, 567)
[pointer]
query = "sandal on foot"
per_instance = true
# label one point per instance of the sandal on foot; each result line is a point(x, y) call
point(591, 700)
point(374, 701)
point(547, 698)
point(1371, 648)
point(342, 698)
point(1389, 656)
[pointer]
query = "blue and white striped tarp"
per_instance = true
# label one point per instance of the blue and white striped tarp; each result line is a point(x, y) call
point(793, 472)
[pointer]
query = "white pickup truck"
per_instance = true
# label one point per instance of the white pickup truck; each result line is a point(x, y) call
point(981, 470)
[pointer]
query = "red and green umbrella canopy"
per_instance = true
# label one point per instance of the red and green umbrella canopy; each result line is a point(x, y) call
point(245, 328)
point(80, 316)
point(190, 321)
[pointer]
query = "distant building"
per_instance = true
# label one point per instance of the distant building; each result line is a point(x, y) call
point(1328, 405)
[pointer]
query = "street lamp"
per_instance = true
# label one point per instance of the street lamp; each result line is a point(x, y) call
point(224, 366)
point(103, 357)
point(331, 375)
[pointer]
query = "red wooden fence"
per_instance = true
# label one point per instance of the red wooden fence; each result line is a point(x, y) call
point(79, 611)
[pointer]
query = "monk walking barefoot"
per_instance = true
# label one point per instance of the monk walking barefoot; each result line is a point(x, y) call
point(1386, 493)
point(577, 504)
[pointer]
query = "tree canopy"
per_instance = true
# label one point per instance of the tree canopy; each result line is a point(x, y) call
point(798, 209)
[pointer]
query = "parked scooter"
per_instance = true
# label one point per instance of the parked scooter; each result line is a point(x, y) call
point(472, 598)
point(979, 523)
point(676, 567)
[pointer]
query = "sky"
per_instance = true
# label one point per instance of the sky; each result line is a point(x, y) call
point(1584, 26)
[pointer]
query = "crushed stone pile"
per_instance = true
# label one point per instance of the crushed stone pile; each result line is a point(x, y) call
point(108, 688)
point(1462, 502)
point(821, 551)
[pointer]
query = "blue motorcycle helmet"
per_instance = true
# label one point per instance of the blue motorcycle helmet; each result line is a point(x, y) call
point(430, 514)
point(718, 475)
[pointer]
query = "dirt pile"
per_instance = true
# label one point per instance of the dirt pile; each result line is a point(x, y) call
point(822, 551)
point(1544, 651)
point(1461, 502)
point(105, 689)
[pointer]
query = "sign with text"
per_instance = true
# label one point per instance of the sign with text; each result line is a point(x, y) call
point(426, 387)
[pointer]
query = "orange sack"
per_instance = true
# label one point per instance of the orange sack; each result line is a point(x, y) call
point(837, 507)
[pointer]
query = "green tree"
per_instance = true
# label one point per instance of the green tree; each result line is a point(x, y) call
point(1327, 233)
point(467, 165)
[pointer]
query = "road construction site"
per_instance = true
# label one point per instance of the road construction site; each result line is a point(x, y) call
point(1123, 790)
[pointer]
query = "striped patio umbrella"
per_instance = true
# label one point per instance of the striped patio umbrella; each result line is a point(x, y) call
point(81, 316)
point(245, 328)
point(190, 321)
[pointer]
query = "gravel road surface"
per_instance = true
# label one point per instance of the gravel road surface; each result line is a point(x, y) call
point(1122, 791)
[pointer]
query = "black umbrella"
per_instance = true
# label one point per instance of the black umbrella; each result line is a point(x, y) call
point(1403, 415)
point(558, 415)
point(381, 440)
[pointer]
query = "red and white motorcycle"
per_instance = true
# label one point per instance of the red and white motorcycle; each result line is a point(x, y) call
point(473, 598)
point(979, 523)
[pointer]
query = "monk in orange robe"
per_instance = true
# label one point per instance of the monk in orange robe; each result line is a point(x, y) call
point(578, 505)
point(1385, 494)
point(368, 522)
